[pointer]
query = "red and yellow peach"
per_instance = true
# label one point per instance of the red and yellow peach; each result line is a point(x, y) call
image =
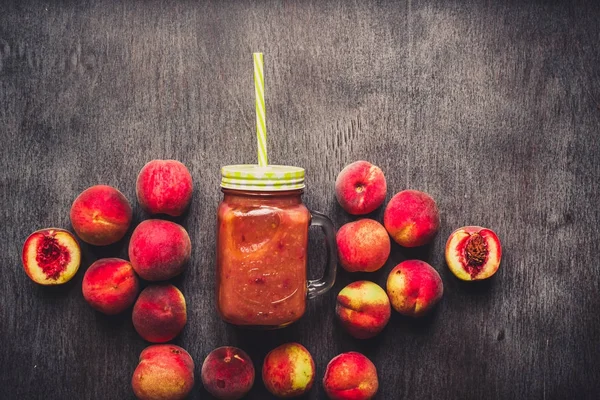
point(159, 250)
point(412, 218)
point(164, 372)
point(288, 370)
point(101, 215)
point(363, 309)
point(363, 246)
point(159, 313)
point(360, 188)
point(414, 288)
point(350, 376)
point(164, 187)
point(110, 285)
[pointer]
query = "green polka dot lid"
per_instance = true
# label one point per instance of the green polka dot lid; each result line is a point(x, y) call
point(262, 178)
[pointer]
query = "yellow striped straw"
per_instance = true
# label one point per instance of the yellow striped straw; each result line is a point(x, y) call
point(261, 124)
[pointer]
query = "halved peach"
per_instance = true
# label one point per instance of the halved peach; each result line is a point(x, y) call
point(51, 256)
point(473, 253)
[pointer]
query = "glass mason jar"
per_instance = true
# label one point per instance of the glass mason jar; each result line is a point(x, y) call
point(262, 238)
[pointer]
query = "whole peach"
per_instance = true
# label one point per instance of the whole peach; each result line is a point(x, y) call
point(412, 218)
point(228, 373)
point(363, 308)
point(101, 215)
point(159, 250)
point(164, 187)
point(159, 313)
point(288, 370)
point(164, 372)
point(363, 245)
point(360, 188)
point(51, 256)
point(414, 288)
point(473, 253)
point(350, 376)
point(110, 285)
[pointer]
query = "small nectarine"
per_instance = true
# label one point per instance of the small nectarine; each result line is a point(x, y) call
point(164, 187)
point(288, 370)
point(363, 245)
point(159, 313)
point(159, 250)
point(414, 288)
point(363, 309)
point(164, 372)
point(411, 218)
point(228, 373)
point(350, 376)
point(360, 188)
point(101, 215)
point(110, 285)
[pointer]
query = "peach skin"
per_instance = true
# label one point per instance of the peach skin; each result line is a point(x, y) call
point(363, 309)
point(360, 188)
point(101, 215)
point(363, 246)
point(350, 376)
point(288, 370)
point(164, 372)
point(414, 288)
point(110, 285)
point(412, 218)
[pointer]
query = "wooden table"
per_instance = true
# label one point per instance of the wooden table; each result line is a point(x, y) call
point(491, 107)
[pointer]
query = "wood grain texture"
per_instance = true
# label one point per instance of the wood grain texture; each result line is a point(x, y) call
point(491, 107)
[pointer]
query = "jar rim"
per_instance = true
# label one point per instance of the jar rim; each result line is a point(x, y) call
point(271, 178)
point(249, 192)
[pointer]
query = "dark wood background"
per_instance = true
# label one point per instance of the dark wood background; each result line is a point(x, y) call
point(493, 107)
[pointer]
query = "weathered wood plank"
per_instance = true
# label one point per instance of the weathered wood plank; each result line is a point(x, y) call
point(491, 107)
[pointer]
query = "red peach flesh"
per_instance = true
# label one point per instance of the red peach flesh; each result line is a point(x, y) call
point(51, 256)
point(473, 253)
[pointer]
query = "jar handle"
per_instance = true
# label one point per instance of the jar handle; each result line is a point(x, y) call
point(317, 287)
